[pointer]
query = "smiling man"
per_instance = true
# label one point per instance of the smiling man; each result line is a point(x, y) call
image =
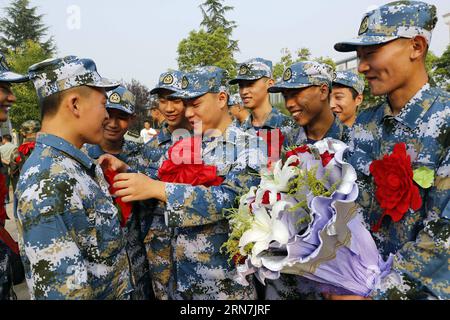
point(392, 46)
point(121, 110)
point(347, 96)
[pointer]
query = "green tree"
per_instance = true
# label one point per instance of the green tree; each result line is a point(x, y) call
point(202, 49)
point(27, 106)
point(142, 94)
point(213, 43)
point(441, 70)
point(22, 23)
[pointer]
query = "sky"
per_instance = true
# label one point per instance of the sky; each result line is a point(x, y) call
point(139, 38)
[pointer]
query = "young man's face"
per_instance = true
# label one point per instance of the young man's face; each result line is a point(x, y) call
point(254, 92)
point(305, 105)
point(343, 104)
point(7, 98)
point(206, 110)
point(147, 125)
point(387, 66)
point(172, 110)
point(117, 125)
point(93, 114)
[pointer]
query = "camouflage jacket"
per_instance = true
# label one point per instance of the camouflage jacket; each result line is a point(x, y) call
point(201, 270)
point(70, 238)
point(132, 155)
point(420, 240)
point(337, 131)
point(276, 120)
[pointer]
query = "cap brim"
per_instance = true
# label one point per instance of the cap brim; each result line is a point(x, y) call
point(185, 95)
point(280, 88)
point(243, 78)
point(13, 77)
point(118, 107)
point(107, 84)
point(157, 90)
point(353, 44)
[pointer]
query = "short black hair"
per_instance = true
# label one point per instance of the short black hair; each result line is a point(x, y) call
point(352, 90)
point(50, 105)
point(7, 137)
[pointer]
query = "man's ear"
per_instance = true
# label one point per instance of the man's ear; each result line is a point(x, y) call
point(72, 103)
point(419, 48)
point(223, 100)
point(359, 99)
point(324, 92)
point(270, 83)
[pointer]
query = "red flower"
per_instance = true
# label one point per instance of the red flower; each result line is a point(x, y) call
point(25, 149)
point(326, 158)
point(185, 165)
point(395, 188)
point(273, 148)
point(297, 151)
point(123, 207)
point(239, 259)
point(266, 197)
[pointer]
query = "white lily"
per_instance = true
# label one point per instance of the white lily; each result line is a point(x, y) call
point(279, 180)
point(265, 229)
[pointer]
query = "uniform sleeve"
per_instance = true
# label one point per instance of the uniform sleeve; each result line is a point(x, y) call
point(52, 258)
point(420, 269)
point(190, 206)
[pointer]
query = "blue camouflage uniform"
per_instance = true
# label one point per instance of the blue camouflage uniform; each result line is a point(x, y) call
point(122, 99)
point(70, 238)
point(420, 240)
point(255, 69)
point(200, 270)
point(6, 77)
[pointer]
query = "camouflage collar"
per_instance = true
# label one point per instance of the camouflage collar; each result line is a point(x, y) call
point(271, 121)
point(65, 147)
point(336, 131)
point(414, 110)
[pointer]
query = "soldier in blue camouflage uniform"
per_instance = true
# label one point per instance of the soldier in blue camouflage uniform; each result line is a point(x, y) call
point(347, 96)
point(200, 270)
point(254, 79)
point(121, 109)
point(157, 234)
point(7, 99)
point(306, 89)
point(392, 44)
point(70, 238)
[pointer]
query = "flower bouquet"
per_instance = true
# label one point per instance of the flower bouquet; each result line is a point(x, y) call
point(302, 219)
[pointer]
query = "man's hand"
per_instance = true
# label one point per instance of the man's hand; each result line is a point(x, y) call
point(108, 161)
point(139, 187)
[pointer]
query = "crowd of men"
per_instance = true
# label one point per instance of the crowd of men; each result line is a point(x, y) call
point(71, 240)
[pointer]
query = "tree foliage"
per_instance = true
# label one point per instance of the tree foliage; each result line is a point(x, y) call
point(23, 23)
point(27, 106)
point(142, 94)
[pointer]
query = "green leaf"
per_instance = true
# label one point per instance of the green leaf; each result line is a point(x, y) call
point(424, 177)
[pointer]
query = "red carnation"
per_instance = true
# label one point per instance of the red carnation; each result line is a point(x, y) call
point(395, 188)
point(185, 165)
point(326, 158)
point(297, 151)
point(123, 207)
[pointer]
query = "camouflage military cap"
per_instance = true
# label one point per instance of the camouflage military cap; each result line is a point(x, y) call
point(234, 100)
point(399, 19)
point(202, 80)
point(351, 80)
point(121, 99)
point(30, 126)
point(170, 81)
point(55, 75)
point(7, 75)
point(253, 69)
point(304, 74)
